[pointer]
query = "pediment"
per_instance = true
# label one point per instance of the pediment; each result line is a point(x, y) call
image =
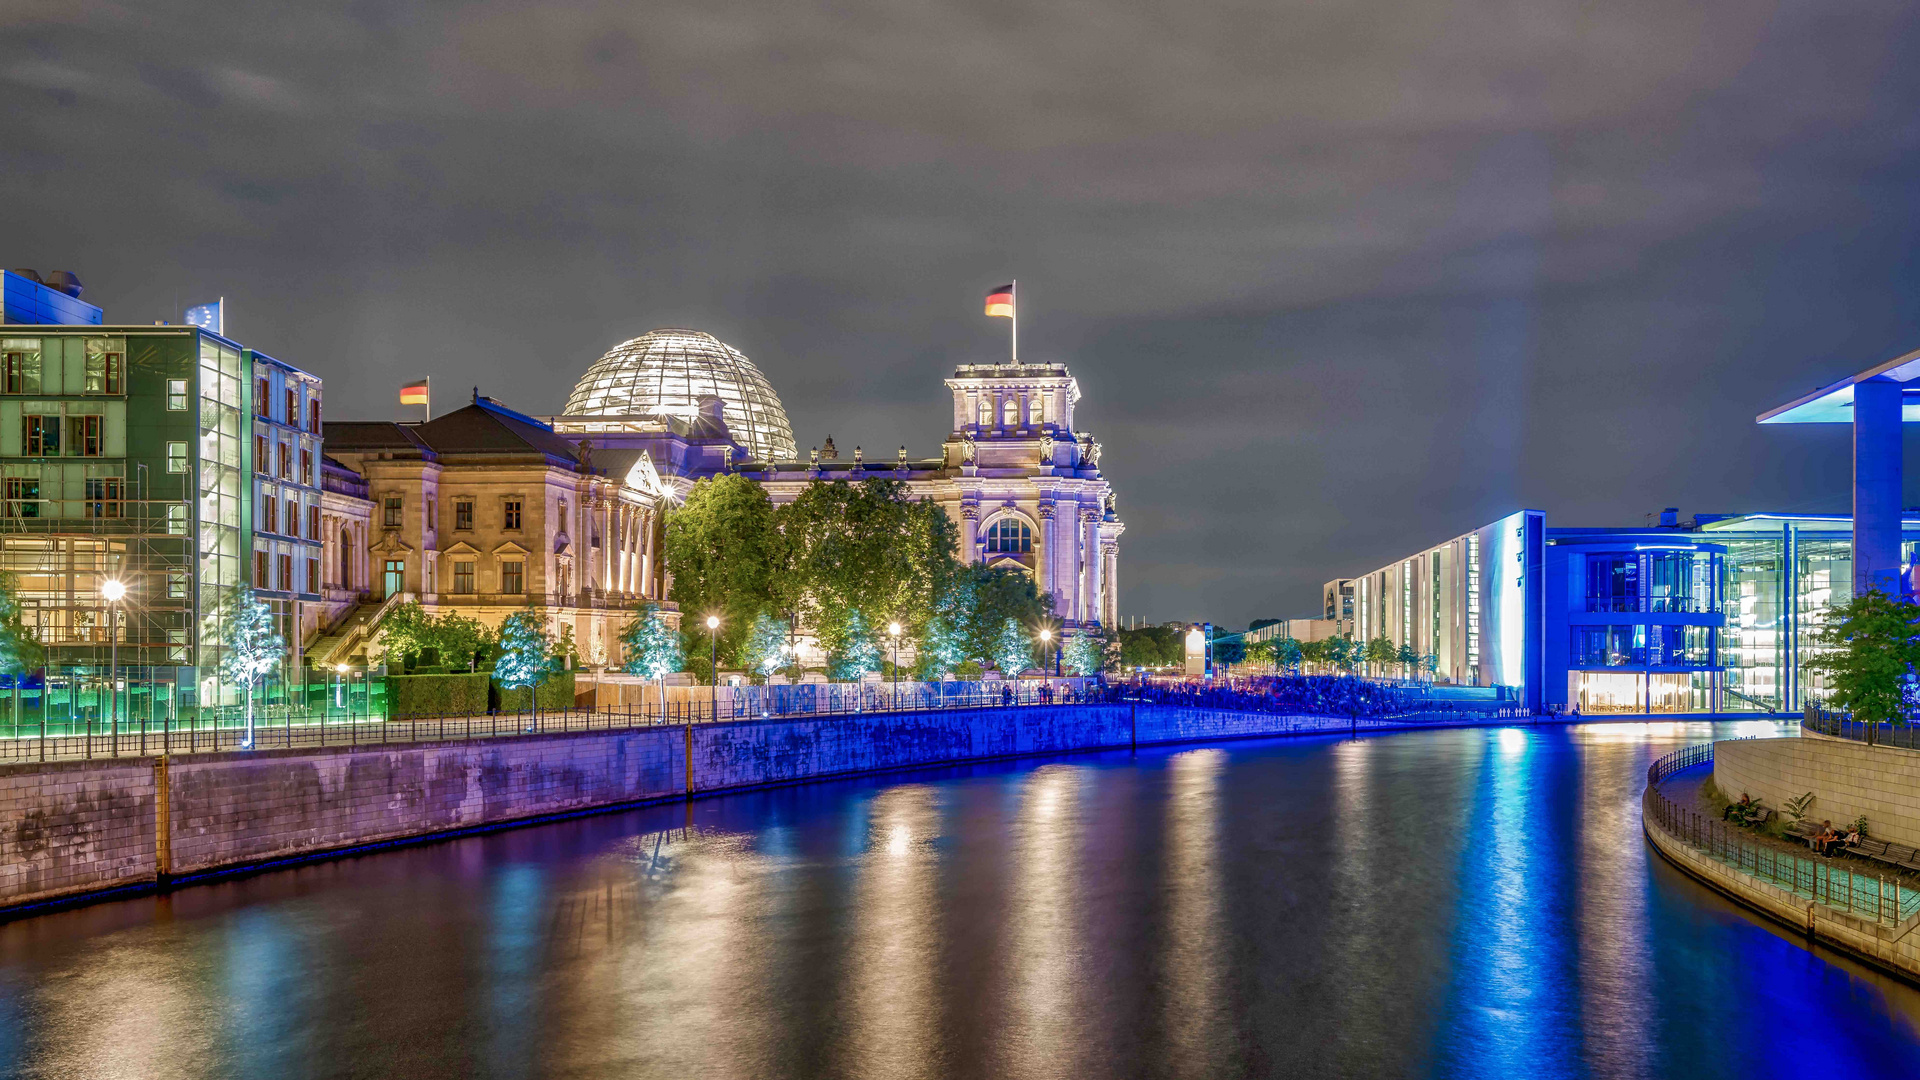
point(461, 547)
point(511, 548)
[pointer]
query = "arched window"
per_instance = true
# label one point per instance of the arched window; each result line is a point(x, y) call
point(986, 413)
point(1009, 536)
point(1035, 415)
point(1010, 412)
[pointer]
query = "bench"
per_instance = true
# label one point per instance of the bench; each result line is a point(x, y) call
point(1897, 855)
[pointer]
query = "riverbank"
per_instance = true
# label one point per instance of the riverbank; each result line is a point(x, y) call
point(1820, 898)
point(107, 827)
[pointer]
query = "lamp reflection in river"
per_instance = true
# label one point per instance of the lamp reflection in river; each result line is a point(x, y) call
point(1194, 963)
point(895, 1006)
point(1047, 950)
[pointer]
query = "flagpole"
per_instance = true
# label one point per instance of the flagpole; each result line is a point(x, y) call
point(429, 403)
point(1016, 321)
point(223, 317)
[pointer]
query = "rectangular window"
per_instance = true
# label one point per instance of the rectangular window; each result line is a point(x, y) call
point(463, 577)
point(432, 517)
point(306, 467)
point(176, 584)
point(313, 575)
point(176, 395)
point(262, 461)
point(293, 407)
point(390, 512)
point(269, 512)
point(103, 497)
point(20, 366)
point(463, 513)
point(104, 364)
point(262, 398)
point(23, 497)
point(86, 434)
point(177, 457)
point(41, 437)
point(293, 518)
point(260, 570)
point(286, 573)
point(176, 519)
point(313, 414)
point(313, 522)
point(510, 514)
point(285, 472)
point(511, 579)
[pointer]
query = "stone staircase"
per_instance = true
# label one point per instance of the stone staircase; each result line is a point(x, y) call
point(336, 644)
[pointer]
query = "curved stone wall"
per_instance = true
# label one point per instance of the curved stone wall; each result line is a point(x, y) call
point(1847, 779)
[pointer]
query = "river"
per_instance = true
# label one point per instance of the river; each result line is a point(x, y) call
point(1465, 903)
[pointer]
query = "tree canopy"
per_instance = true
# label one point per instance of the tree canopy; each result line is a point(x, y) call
point(651, 648)
point(725, 554)
point(1870, 644)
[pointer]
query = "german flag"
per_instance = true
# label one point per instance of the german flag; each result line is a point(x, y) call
point(414, 393)
point(1000, 302)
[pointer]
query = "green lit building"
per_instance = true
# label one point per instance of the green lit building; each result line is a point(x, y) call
point(128, 453)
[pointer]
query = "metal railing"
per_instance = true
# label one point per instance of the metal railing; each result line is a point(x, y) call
point(1832, 883)
point(223, 729)
point(1880, 733)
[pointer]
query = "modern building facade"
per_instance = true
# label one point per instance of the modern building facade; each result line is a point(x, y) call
point(1715, 614)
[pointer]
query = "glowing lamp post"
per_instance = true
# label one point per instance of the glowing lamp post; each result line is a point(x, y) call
point(115, 591)
point(713, 666)
point(340, 689)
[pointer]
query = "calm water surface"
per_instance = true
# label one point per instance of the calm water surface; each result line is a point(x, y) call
point(1458, 903)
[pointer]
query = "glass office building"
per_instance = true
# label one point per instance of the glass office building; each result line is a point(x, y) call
point(1714, 615)
point(126, 454)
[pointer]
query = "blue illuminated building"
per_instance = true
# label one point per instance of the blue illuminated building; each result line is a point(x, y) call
point(1716, 614)
point(32, 299)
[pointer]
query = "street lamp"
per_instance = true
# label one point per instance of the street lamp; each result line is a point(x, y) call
point(340, 688)
point(713, 666)
point(115, 591)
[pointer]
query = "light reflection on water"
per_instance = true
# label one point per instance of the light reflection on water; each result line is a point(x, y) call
point(1451, 903)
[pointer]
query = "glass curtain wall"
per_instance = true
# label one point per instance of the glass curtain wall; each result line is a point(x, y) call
point(222, 385)
point(1753, 646)
point(1823, 577)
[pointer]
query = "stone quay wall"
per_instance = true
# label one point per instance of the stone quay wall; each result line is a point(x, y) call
point(71, 829)
point(1847, 779)
point(1891, 948)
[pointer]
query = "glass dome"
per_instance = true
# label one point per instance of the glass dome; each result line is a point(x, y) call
point(666, 372)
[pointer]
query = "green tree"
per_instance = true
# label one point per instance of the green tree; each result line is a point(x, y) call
point(1261, 653)
point(1408, 658)
point(406, 631)
point(1869, 648)
point(1012, 650)
point(1380, 653)
point(997, 595)
point(651, 647)
point(850, 645)
point(941, 649)
point(724, 552)
point(249, 646)
point(1342, 652)
point(1085, 653)
point(459, 639)
point(766, 648)
point(1229, 649)
point(1288, 654)
point(526, 652)
point(20, 652)
point(866, 546)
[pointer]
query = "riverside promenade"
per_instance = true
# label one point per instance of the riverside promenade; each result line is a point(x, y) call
point(1865, 911)
point(108, 819)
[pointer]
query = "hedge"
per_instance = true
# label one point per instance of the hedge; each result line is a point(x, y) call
point(555, 693)
point(435, 695)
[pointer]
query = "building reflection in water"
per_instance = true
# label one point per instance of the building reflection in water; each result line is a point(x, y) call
point(1045, 949)
point(1196, 964)
point(1615, 960)
point(893, 992)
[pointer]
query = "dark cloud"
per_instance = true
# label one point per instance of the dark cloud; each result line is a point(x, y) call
point(1338, 280)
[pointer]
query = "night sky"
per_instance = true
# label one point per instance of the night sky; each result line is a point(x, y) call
point(1339, 280)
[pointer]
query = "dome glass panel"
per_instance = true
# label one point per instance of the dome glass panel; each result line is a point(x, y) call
point(666, 372)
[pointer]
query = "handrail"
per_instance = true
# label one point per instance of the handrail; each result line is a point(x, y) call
point(1873, 733)
point(1887, 902)
point(349, 629)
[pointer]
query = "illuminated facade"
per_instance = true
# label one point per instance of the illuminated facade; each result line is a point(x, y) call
point(1713, 615)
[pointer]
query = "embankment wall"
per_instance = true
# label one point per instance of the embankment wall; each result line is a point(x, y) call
point(70, 829)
